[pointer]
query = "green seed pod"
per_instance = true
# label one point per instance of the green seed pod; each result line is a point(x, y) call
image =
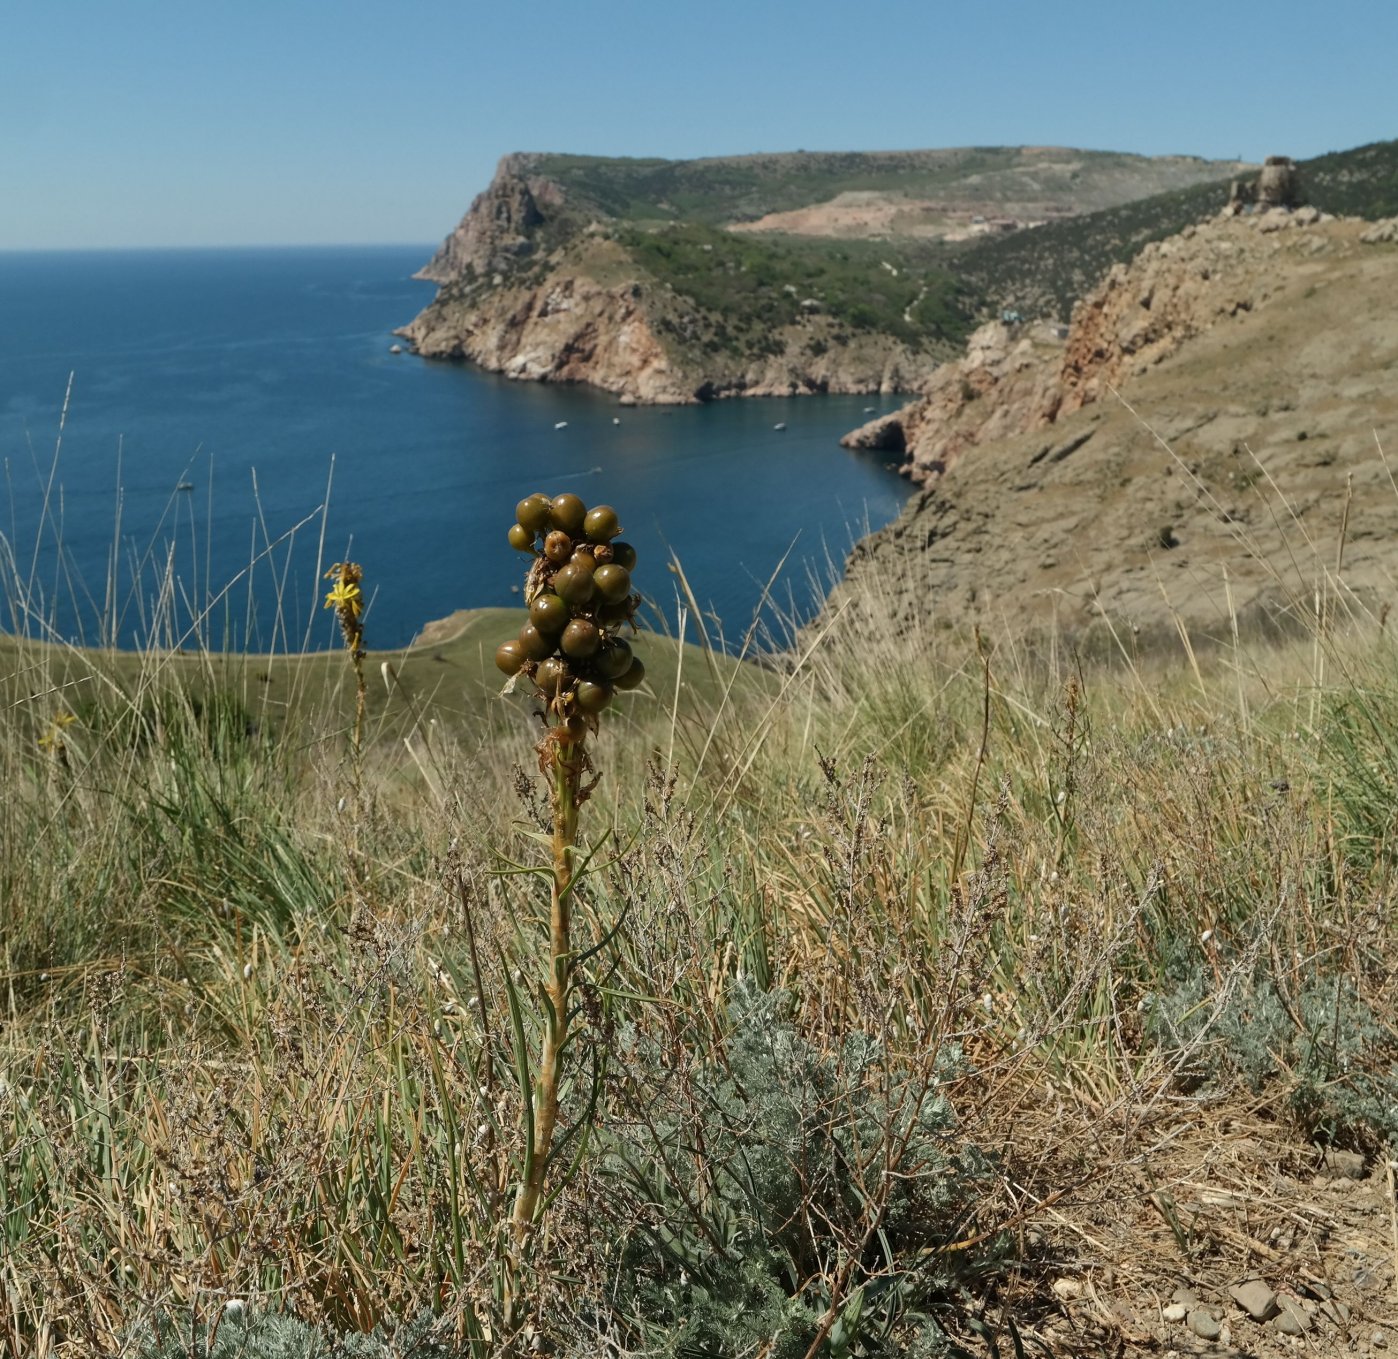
point(601, 524)
point(534, 643)
point(581, 639)
point(509, 657)
point(615, 657)
point(558, 547)
point(609, 615)
point(623, 554)
point(633, 677)
point(567, 513)
point(521, 539)
point(552, 675)
point(613, 582)
point(549, 614)
point(591, 696)
point(574, 586)
point(534, 512)
point(583, 561)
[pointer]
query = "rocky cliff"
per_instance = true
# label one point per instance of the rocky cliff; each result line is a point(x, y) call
point(1210, 447)
point(637, 276)
point(1015, 377)
point(500, 227)
point(536, 285)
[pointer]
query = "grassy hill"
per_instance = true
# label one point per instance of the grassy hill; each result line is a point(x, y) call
point(1046, 270)
point(746, 288)
point(723, 190)
point(673, 219)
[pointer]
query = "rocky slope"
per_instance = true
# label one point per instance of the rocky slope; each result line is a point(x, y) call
point(624, 275)
point(1206, 446)
point(1015, 378)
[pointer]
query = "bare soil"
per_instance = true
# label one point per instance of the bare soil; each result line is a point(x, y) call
point(1198, 1202)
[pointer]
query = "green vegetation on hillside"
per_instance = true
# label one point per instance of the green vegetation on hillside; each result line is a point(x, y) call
point(750, 286)
point(1046, 270)
point(718, 191)
point(1358, 183)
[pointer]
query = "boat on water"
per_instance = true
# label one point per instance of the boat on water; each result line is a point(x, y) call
point(780, 425)
point(562, 424)
point(185, 486)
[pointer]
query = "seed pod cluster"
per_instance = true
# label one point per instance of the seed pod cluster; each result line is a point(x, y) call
point(579, 598)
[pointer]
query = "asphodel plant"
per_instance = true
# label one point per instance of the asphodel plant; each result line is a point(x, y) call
point(347, 599)
point(571, 648)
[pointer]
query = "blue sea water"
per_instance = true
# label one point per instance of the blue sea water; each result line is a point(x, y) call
point(217, 400)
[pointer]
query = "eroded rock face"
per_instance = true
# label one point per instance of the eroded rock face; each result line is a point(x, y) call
point(1004, 384)
point(497, 230)
point(1015, 379)
point(567, 329)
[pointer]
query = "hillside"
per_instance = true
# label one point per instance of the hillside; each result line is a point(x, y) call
point(1245, 480)
point(675, 281)
point(1045, 272)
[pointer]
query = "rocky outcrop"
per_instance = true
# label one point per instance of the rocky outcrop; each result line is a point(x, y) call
point(1278, 185)
point(1015, 379)
point(499, 228)
point(536, 287)
point(566, 329)
point(1383, 232)
point(1245, 484)
point(1002, 385)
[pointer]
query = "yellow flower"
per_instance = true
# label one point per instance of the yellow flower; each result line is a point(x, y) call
point(345, 595)
point(52, 739)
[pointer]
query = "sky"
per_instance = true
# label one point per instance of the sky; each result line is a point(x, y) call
point(199, 123)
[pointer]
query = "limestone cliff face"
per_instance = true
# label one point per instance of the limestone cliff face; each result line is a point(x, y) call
point(566, 329)
point(533, 286)
point(499, 228)
point(1003, 384)
point(1015, 379)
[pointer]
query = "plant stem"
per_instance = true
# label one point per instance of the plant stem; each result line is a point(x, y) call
point(567, 761)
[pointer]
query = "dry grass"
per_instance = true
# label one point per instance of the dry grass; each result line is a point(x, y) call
point(903, 966)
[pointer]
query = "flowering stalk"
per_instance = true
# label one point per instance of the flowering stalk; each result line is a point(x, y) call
point(347, 599)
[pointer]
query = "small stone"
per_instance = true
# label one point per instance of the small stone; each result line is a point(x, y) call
point(1185, 1295)
point(1292, 1320)
point(1256, 1299)
point(1348, 1165)
point(1204, 1325)
point(1066, 1289)
point(1176, 1312)
point(1336, 1310)
point(1378, 1340)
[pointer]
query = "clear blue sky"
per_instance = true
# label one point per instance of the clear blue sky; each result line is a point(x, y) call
point(156, 122)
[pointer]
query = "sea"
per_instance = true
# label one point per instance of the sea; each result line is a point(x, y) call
point(190, 438)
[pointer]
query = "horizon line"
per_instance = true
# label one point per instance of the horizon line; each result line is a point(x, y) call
point(247, 245)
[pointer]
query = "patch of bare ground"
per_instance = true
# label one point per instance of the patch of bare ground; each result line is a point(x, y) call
point(862, 214)
point(1201, 1227)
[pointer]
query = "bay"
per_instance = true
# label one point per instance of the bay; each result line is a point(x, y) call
point(217, 399)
